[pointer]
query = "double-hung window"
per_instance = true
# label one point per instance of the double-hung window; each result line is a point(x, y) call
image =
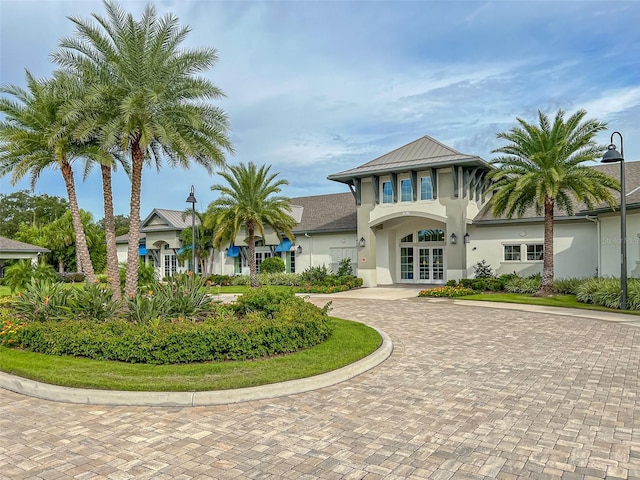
point(406, 192)
point(535, 251)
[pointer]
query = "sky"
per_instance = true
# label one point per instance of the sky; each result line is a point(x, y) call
point(316, 87)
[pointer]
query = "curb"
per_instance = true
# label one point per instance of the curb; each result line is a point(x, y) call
point(57, 393)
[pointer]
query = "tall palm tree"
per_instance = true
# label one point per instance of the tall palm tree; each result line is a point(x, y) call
point(34, 137)
point(249, 202)
point(146, 99)
point(541, 167)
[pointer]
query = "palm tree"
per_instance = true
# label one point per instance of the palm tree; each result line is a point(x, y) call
point(145, 98)
point(248, 203)
point(541, 167)
point(33, 137)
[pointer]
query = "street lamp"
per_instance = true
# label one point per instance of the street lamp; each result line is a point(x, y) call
point(612, 156)
point(192, 200)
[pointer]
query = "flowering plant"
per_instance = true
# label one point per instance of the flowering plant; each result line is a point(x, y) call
point(446, 292)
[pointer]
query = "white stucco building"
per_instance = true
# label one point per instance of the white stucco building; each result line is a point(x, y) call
point(419, 214)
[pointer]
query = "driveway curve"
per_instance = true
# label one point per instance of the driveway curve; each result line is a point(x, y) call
point(469, 392)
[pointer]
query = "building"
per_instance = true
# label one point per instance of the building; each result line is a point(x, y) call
point(418, 214)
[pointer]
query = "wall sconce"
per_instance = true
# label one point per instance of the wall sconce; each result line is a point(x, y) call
point(362, 242)
point(453, 239)
point(299, 249)
point(467, 238)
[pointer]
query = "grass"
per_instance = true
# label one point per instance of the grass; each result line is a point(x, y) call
point(566, 301)
point(349, 342)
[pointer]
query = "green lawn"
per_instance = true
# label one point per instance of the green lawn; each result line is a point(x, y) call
point(567, 301)
point(350, 342)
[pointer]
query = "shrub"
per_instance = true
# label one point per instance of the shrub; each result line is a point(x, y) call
point(287, 279)
point(241, 280)
point(18, 275)
point(633, 294)
point(294, 327)
point(315, 274)
point(446, 291)
point(608, 293)
point(146, 274)
point(344, 268)
point(451, 283)
point(263, 299)
point(272, 265)
point(43, 300)
point(523, 285)
point(482, 270)
point(222, 280)
point(93, 302)
point(567, 285)
point(71, 277)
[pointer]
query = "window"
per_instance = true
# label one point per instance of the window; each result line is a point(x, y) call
point(170, 265)
point(407, 239)
point(431, 236)
point(426, 189)
point(387, 192)
point(535, 251)
point(511, 253)
point(406, 192)
point(237, 265)
point(292, 262)
point(260, 256)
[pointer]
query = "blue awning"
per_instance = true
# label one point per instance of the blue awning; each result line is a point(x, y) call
point(233, 251)
point(284, 245)
point(142, 250)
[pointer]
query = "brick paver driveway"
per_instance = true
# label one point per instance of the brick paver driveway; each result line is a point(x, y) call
point(469, 392)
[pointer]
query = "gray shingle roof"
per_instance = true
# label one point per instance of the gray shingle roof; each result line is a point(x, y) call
point(425, 152)
point(326, 213)
point(632, 188)
point(14, 246)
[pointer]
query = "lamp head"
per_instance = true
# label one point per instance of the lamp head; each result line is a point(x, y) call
point(192, 197)
point(612, 155)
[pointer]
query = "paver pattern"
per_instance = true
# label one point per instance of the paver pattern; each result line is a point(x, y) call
point(468, 393)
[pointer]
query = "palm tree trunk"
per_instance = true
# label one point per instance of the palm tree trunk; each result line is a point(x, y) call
point(253, 269)
point(546, 288)
point(137, 159)
point(81, 240)
point(110, 232)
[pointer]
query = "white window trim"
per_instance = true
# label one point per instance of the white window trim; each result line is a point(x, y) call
point(523, 251)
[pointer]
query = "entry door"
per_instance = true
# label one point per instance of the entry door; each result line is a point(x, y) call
point(428, 264)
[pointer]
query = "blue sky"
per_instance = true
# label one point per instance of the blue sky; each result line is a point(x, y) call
point(314, 88)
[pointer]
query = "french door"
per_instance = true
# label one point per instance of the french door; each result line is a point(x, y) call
point(422, 264)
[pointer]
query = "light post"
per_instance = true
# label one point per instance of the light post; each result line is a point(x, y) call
point(192, 200)
point(612, 156)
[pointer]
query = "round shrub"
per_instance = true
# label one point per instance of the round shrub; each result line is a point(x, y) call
point(272, 265)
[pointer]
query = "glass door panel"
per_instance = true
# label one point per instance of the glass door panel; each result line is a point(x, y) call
point(437, 255)
point(425, 266)
point(406, 263)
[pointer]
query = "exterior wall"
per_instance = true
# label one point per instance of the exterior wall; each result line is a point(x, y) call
point(611, 256)
point(382, 225)
point(575, 247)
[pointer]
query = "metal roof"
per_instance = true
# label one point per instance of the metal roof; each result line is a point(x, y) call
point(169, 220)
point(425, 152)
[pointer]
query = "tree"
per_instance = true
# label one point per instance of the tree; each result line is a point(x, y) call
point(33, 137)
point(204, 242)
point(541, 167)
point(145, 98)
point(22, 207)
point(121, 223)
point(249, 202)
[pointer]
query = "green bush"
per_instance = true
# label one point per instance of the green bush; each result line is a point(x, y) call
point(315, 275)
point(93, 302)
point(43, 300)
point(567, 285)
point(344, 268)
point(222, 280)
point(482, 270)
point(451, 283)
point(241, 280)
point(446, 292)
point(586, 290)
point(263, 299)
point(608, 293)
point(71, 277)
point(294, 327)
point(286, 279)
point(146, 274)
point(272, 265)
point(18, 275)
point(523, 285)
